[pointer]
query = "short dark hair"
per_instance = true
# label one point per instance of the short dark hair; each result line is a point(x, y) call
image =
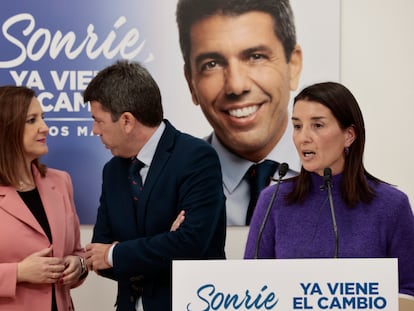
point(191, 11)
point(14, 105)
point(344, 107)
point(127, 87)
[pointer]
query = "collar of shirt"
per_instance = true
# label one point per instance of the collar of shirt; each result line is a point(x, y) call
point(234, 167)
point(147, 152)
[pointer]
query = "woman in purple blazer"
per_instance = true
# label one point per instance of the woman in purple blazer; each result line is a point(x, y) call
point(334, 208)
point(41, 257)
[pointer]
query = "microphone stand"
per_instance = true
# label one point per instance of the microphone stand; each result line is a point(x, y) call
point(283, 169)
point(327, 175)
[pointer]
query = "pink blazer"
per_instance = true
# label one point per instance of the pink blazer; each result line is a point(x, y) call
point(21, 235)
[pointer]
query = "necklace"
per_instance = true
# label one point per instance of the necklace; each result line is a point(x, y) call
point(24, 186)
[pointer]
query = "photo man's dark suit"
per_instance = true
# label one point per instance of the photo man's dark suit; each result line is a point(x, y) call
point(185, 174)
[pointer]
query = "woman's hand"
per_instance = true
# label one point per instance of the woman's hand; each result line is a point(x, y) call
point(40, 268)
point(73, 270)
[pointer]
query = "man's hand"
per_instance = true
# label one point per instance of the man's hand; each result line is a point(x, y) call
point(97, 253)
point(178, 221)
point(96, 256)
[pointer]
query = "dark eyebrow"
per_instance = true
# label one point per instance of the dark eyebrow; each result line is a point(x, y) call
point(35, 114)
point(255, 49)
point(312, 118)
point(318, 118)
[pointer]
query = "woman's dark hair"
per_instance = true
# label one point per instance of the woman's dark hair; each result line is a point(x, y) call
point(14, 105)
point(344, 107)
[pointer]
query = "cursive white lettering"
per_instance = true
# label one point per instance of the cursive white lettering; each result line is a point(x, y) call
point(41, 41)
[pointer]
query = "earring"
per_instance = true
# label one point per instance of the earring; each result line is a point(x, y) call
point(346, 151)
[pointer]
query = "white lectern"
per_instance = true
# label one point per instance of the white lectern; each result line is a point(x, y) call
point(286, 284)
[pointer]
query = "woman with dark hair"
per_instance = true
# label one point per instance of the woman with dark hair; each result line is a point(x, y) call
point(41, 257)
point(372, 218)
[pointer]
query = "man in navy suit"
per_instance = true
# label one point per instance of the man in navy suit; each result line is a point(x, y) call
point(136, 238)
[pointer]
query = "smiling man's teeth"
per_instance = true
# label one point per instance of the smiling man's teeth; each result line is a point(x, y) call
point(243, 112)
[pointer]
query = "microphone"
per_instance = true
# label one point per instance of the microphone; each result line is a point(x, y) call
point(327, 177)
point(283, 169)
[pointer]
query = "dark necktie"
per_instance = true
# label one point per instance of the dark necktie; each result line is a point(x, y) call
point(135, 178)
point(258, 176)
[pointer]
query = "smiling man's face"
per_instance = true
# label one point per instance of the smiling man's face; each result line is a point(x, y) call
point(242, 81)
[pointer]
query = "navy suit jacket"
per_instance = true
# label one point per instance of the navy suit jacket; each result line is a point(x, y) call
point(185, 174)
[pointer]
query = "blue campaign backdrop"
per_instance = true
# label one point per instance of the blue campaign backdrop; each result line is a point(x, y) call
point(56, 47)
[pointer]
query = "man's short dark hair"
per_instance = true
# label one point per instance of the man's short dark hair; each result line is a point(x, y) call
point(191, 11)
point(127, 87)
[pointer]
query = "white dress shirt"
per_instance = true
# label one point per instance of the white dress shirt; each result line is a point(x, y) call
point(234, 168)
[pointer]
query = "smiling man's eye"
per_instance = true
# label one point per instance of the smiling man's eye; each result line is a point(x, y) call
point(257, 56)
point(209, 65)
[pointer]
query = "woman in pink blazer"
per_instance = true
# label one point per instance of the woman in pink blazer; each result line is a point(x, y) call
point(41, 257)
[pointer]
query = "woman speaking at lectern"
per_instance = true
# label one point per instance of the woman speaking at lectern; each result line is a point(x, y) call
point(334, 207)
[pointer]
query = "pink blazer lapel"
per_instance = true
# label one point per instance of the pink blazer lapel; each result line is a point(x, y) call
point(11, 202)
point(53, 203)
